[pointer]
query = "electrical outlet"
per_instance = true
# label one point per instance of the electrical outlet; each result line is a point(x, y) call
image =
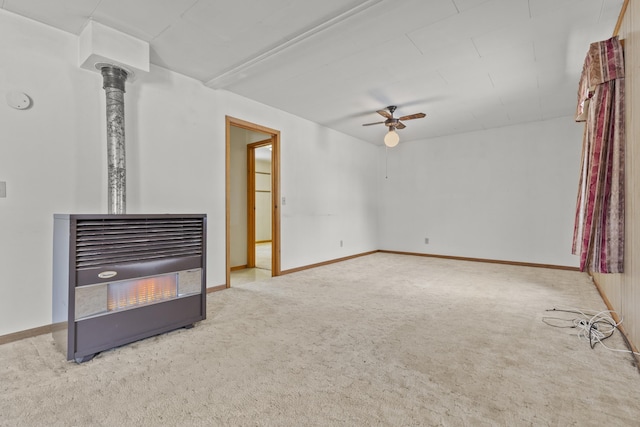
point(426, 240)
point(284, 200)
point(3, 189)
point(340, 243)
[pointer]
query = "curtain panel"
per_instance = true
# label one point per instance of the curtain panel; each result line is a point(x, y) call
point(598, 236)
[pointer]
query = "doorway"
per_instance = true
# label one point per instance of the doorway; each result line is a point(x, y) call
point(252, 201)
point(259, 205)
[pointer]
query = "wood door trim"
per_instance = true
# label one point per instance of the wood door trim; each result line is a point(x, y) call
point(251, 206)
point(623, 10)
point(275, 191)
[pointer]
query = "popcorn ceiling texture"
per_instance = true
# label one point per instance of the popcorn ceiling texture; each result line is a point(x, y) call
point(382, 339)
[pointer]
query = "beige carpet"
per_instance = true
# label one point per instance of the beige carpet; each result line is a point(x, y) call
point(378, 340)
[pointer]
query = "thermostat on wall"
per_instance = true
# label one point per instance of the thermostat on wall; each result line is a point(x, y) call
point(18, 100)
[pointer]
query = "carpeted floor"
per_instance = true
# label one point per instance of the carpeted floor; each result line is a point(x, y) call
point(377, 340)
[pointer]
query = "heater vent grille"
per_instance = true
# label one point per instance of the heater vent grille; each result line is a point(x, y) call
point(103, 242)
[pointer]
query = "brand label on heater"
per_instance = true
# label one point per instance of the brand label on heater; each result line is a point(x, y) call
point(107, 274)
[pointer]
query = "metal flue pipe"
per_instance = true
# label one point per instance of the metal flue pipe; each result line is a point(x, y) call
point(114, 79)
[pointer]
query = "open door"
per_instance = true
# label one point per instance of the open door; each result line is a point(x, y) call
point(259, 204)
point(271, 137)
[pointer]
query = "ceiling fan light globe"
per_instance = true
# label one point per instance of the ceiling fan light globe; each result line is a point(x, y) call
point(391, 139)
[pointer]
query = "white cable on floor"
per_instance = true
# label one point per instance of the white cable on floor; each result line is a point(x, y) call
point(592, 326)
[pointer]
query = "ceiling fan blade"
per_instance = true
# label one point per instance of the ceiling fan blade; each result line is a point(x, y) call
point(400, 125)
point(376, 123)
point(413, 116)
point(385, 113)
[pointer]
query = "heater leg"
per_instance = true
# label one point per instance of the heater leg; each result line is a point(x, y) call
point(85, 358)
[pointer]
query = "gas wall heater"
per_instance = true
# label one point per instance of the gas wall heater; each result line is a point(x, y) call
point(121, 278)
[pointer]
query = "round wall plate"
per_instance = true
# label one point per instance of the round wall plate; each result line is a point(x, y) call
point(18, 100)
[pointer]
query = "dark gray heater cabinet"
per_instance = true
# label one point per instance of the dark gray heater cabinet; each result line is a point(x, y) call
point(122, 278)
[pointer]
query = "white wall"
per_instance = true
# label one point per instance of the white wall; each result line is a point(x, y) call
point(505, 194)
point(53, 158)
point(49, 157)
point(331, 196)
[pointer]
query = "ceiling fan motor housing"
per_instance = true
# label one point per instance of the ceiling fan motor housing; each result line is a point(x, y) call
point(394, 123)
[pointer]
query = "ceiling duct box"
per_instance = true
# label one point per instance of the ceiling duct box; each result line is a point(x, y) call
point(99, 44)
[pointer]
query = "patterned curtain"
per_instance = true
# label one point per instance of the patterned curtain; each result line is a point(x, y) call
point(598, 236)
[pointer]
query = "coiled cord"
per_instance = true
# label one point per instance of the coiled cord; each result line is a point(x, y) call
point(592, 326)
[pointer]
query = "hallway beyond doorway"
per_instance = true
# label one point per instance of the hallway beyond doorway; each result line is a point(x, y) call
point(262, 270)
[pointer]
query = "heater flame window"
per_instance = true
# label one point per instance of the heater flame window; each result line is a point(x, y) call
point(133, 293)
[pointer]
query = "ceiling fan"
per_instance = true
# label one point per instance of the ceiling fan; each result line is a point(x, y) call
point(391, 139)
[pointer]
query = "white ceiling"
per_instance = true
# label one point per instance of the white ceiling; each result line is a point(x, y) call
point(467, 64)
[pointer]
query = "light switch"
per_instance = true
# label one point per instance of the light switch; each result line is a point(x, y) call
point(3, 189)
